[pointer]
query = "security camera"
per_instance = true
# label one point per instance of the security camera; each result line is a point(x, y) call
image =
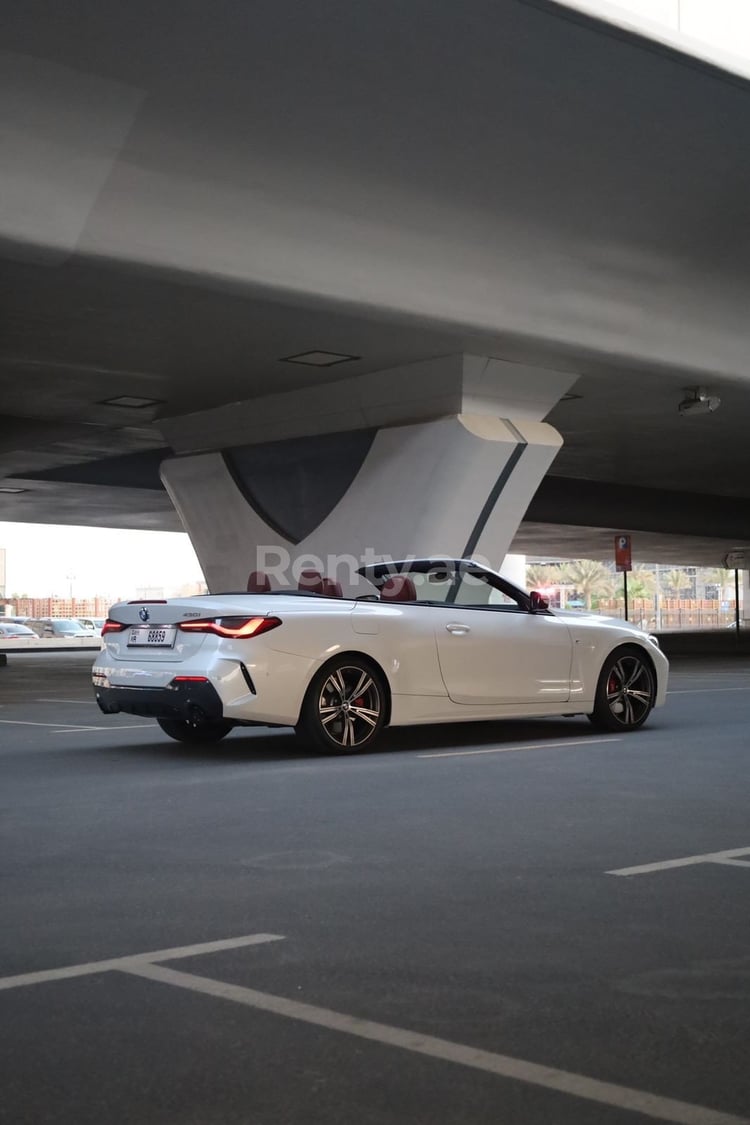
point(697, 400)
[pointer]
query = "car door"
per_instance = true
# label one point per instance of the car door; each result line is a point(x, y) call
point(492, 651)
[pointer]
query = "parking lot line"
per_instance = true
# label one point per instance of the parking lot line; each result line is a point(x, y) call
point(109, 726)
point(505, 1066)
point(25, 723)
point(70, 728)
point(703, 690)
point(22, 980)
point(77, 730)
point(684, 861)
point(722, 673)
point(86, 702)
point(522, 746)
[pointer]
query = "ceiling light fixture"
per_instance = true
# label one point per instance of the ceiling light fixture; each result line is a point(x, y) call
point(319, 359)
point(130, 402)
point(697, 400)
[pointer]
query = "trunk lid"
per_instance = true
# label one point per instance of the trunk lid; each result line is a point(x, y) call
point(152, 633)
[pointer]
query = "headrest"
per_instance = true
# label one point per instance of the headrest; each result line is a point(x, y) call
point(310, 580)
point(258, 582)
point(398, 588)
point(331, 588)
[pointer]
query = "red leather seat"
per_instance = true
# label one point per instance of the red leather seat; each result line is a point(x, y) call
point(398, 588)
point(331, 588)
point(258, 582)
point(310, 580)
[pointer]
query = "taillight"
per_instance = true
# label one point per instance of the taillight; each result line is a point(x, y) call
point(112, 627)
point(236, 627)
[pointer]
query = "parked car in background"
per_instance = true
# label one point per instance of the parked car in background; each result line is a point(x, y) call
point(9, 629)
point(92, 624)
point(59, 627)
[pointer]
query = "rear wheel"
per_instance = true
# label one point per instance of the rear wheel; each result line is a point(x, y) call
point(626, 691)
point(202, 732)
point(345, 707)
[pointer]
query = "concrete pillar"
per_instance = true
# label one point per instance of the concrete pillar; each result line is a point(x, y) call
point(514, 569)
point(440, 458)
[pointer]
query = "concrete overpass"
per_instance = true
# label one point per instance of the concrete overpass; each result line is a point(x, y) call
point(190, 199)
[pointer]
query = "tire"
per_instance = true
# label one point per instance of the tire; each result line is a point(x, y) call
point(344, 709)
point(626, 690)
point(195, 733)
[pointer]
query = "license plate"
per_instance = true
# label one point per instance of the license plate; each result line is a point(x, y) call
point(152, 638)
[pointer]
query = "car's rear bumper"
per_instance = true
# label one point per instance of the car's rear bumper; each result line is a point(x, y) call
point(251, 683)
point(192, 701)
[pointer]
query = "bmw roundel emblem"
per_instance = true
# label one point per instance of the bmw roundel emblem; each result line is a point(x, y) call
point(143, 613)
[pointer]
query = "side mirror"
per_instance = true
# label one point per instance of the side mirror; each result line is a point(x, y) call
point(538, 602)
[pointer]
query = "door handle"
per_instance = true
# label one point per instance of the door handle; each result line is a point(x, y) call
point(458, 630)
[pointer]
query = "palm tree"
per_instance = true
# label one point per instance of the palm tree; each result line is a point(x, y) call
point(675, 581)
point(642, 582)
point(539, 575)
point(590, 579)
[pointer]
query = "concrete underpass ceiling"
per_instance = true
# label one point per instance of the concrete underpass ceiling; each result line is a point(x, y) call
point(182, 210)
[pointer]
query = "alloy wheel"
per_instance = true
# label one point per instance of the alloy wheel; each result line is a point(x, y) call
point(350, 706)
point(630, 690)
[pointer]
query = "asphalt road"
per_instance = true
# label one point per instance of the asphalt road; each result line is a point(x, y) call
point(450, 944)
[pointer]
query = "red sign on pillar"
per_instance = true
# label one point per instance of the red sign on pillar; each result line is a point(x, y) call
point(623, 560)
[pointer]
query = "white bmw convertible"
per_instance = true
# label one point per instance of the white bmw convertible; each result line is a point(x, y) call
point(434, 641)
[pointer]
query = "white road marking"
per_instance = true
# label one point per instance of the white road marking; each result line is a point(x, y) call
point(685, 861)
point(733, 862)
point(86, 702)
point(77, 730)
point(132, 726)
point(506, 1066)
point(20, 723)
point(709, 690)
point(707, 674)
point(69, 728)
point(21, 980)
point(109, 726)
point(523, 746)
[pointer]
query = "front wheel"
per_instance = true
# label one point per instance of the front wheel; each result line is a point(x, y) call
point(345, 707)
point(626, 691)
point(184, 731)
